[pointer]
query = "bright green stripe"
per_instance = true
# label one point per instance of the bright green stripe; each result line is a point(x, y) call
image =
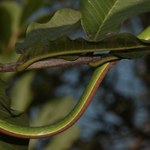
point(38, 131)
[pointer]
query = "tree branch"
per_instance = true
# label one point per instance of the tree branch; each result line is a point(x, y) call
point(53, 62)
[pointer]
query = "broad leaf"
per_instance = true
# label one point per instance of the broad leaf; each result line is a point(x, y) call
point(9, 20)
point(49, 114)
point(64, 140)
point(65, 46)
point(21, 94)
point(63, 21)
point(49, 109)
point(102, 17)
point(133, 54)
point(8, 142)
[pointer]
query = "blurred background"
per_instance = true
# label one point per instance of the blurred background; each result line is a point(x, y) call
point(118, 117)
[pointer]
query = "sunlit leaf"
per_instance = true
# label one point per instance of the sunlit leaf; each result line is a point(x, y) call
point(102, 17)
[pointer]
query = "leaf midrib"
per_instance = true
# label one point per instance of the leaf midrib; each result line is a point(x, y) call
point(100, 27)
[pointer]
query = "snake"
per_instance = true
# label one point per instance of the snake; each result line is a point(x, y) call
point(79, 109)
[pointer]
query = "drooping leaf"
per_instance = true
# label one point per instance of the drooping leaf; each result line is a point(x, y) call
point(49, 109)
point(51, 112)
point(8, 142)
point(133, 54)
point(61, 23)
point(102, 17)
point(21, 94)
point(64, 140)
point(65, 46)
point(9, 20)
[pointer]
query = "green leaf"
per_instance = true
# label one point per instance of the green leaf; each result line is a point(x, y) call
point(61, 23)
point(145, 34)
point(136, 53)
point(9, 20)
point(21, 94)
point(8, 142)
point(4, 100)
point(64, 140)
point(51, 112)
point(49, 109)
point(11, 145)
point(103, 17)
point(133, 54)
point(65, 46)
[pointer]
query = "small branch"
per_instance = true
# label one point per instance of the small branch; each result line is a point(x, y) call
point(53, 62)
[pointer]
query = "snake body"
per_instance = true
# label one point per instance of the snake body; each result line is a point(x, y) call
point(69, 120)
point(73, 116)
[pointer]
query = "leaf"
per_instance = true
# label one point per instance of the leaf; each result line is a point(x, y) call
point(64, 140)
point(21, 94)
point(145, 34)
point(65, 46)
point(4, 100)
point(9, 20)
point(49, 109)
point(10, 146)
point(133, 54)
point(102, 17)
point(61, 23)
point(49, 114)
point(8, 142)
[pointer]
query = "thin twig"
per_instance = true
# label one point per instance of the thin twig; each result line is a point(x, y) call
point(53, 62)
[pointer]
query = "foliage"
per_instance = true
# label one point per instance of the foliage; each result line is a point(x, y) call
point(105, 17)
point(99, 21)
point(7, 142)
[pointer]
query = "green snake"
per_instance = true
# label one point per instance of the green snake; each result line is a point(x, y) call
point(73, 116)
